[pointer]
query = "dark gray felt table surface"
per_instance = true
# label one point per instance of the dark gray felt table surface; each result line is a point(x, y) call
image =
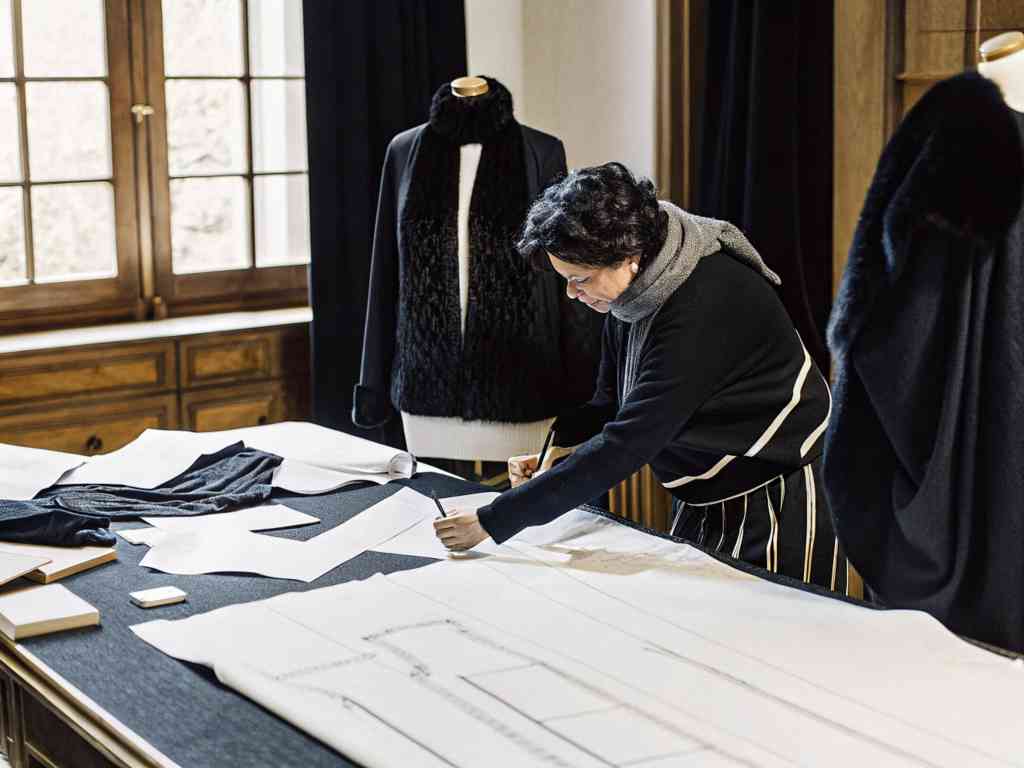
point(180, 708)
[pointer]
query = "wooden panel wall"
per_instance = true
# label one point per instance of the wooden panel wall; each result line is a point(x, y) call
point(888, 54)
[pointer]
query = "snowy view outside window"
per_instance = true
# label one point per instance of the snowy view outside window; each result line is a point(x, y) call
point(236, 133)
point(236, 136)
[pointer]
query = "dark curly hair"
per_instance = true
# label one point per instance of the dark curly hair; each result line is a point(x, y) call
point(594, 217)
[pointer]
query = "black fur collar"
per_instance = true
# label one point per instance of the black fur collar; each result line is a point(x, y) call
point(473, 119)
point(953, 167)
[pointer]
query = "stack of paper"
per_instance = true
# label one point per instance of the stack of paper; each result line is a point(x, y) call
point(42, 610)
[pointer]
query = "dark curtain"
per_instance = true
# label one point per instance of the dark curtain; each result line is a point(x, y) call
point(765, 138)
point(371, 69)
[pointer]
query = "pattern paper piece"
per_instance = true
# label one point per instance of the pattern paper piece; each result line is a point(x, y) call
point(611, 648)
point(234, 550)
point(24, 472)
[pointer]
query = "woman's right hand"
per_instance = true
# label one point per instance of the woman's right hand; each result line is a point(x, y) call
point(522, 468)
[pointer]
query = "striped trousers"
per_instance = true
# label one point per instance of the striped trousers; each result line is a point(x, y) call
point(783, 526)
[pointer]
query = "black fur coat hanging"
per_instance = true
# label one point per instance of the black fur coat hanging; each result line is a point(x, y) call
point(526, 352)
point(924, 456)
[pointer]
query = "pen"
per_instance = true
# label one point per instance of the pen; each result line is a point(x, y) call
point(544, 448)
point(433, 495)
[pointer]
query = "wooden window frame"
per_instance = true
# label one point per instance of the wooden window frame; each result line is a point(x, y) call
point(145, 285)
point(80, 301)
point(249, 288)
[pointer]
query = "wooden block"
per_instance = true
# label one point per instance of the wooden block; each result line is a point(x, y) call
point(15, 564)
point(42, 610)
point(63, 561)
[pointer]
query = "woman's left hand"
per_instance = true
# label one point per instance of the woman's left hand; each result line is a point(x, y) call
point(460, 531)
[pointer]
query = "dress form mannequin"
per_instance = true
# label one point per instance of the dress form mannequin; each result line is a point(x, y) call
point(1002, 62)
point(443, 437)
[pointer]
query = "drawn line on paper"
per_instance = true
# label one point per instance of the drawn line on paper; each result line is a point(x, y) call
point(349, 703)
point(736, 735)
point(392, 637)
point(765, 662)
point(541, 724)
point(726, 677)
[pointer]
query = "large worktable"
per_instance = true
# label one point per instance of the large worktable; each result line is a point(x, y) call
point(100, 696)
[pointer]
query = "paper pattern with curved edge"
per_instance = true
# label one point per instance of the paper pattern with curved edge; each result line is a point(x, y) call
point(24, 472)
point(153, 458)
point(264, 518)
point(229, 549)
point(633, 651)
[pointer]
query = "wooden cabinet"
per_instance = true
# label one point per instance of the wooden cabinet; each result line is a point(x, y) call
point(90, 372)
point(48, 742)
point(92, 428)
point(231, 407)
point(94, 398)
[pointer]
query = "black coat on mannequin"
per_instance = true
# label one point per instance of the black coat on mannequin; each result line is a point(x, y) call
point(924, 457)
point(527, 352)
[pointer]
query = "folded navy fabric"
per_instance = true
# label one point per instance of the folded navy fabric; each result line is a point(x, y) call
point(73, 515)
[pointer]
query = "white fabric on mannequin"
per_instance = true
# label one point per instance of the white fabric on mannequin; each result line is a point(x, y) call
point(469, 161)
point(446, 437)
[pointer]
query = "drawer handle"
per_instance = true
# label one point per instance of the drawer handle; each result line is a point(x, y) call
point(94, 443)
point(262, 420)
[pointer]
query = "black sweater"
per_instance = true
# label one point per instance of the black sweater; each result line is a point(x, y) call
point(726, 399)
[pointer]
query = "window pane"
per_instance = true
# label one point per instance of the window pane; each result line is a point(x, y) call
point(6, 40)
point(275, 37)
point(209, 225)
point(10, 145)
point(279, 125)
point(73, 232)
point(12, 237)
point(206, 122)
point(282, 220)
point(64, 38)
point(68, 131)
point(203, 37)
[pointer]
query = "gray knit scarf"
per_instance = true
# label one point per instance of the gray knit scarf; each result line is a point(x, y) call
point(690, 238)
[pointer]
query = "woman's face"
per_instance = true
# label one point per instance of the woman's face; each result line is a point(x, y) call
point(597, 287)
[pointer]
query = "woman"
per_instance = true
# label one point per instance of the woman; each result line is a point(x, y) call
point(703, 377)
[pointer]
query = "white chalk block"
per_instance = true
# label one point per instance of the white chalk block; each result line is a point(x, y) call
point(154, 598)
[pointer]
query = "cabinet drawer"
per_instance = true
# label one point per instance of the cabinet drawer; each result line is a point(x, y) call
point(241, 357)
point(52, 743)
point(101, 371)
point(90, 429)
point(246, 405)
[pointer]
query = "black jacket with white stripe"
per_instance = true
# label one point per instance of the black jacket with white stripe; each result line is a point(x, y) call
point(726, 399)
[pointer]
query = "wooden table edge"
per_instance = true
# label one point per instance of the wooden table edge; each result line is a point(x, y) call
point(104, 732)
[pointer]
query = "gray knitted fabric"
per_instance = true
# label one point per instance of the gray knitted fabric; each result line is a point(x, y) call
point(690, 238)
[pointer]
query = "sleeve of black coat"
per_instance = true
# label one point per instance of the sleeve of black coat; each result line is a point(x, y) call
point(371, 403)
point(682, 366)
